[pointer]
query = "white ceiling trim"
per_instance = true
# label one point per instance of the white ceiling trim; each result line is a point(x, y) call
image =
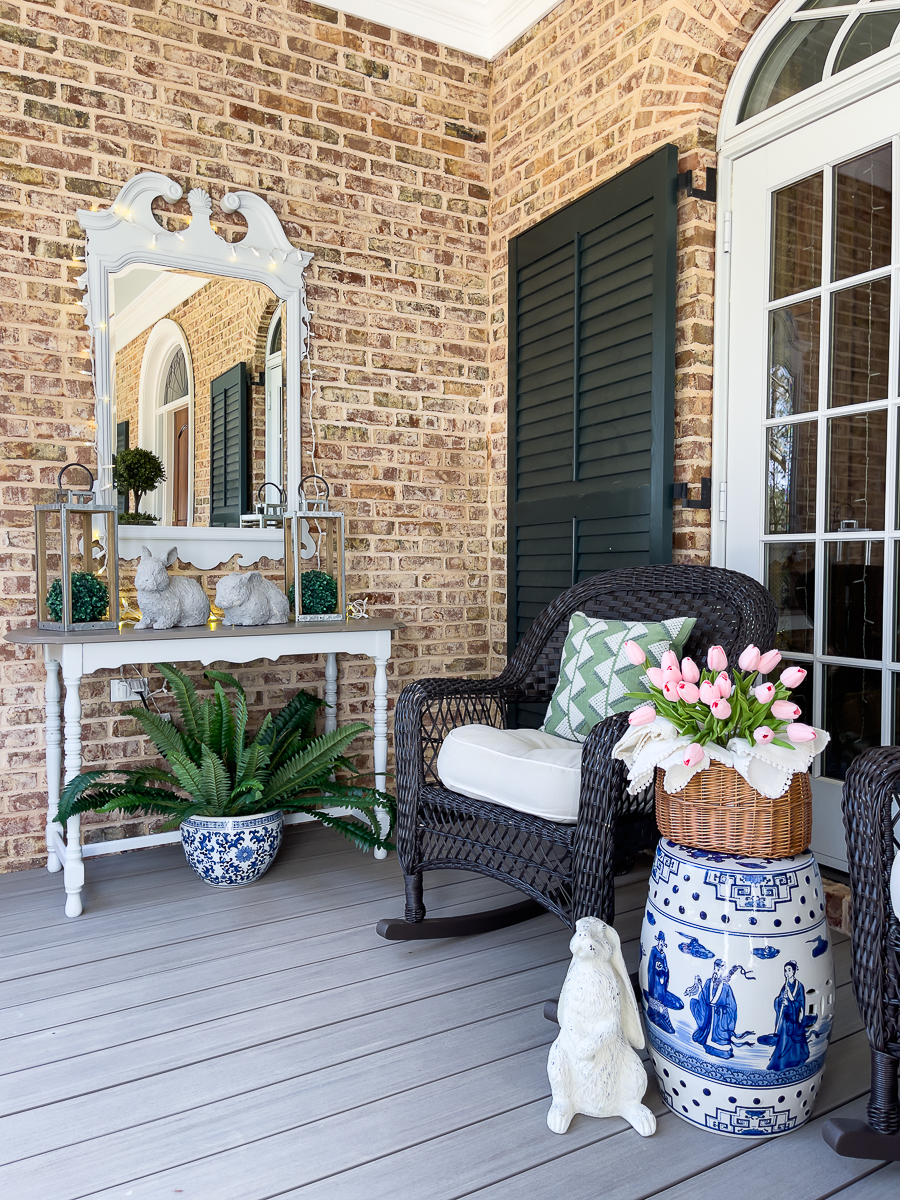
point(481, 27)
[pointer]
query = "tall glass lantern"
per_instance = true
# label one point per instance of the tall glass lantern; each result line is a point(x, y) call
point(314, 555)
point(77, 560)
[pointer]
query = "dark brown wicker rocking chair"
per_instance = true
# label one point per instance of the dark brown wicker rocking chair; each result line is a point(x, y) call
point(566, 869)
point(872, 826)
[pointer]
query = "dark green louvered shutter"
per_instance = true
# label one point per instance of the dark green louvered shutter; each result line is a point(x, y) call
point(591, 386)
point(228, 454)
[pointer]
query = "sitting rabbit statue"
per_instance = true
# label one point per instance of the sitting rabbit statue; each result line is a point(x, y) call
point(167, 600)
point(592, 1066)
point(247, 598)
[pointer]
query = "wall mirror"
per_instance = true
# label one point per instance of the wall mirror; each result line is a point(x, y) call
point(197, 344)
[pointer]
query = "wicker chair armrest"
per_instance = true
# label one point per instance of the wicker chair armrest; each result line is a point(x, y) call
point(603, 783)
point(870, 789)
point(426, 711)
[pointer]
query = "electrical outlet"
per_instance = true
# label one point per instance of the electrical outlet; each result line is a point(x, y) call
point(127, 691)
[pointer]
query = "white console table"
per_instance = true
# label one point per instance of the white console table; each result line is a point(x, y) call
point(80, 654)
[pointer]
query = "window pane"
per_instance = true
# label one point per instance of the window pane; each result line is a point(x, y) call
point(797, 237)
point(860, 337)
point(802, 695)
point(862, 211)
point(793, 62)
point(856, 471)
point(854, 599)
point(826, 4)
point(871, 33)
point(895, 729)
point(791, 477)
point(794, 359)
point(791, 578)
point(852, 716)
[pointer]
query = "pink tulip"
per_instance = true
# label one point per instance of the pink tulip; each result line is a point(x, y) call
point(749, 659)
point(690, 671)
point(723, 684)
point(801, 733)
point(656, 677)
point(716, 658)
point(669, 659)
point(670, 689)
point(643, 715)
point(764, 692)
point(720, 709)
point(792, 677)
point(769, 661)
point(688, 692)
point(634, 653)
point(785, 711)
point(709, 692)
point(672, 673)
point(763, 734)
point(693, 754)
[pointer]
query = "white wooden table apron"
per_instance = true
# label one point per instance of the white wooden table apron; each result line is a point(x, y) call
point(80, 654)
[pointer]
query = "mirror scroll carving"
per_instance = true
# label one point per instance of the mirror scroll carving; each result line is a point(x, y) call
point(196, 348)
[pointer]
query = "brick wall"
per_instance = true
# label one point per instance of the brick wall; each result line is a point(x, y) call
point(378, 153)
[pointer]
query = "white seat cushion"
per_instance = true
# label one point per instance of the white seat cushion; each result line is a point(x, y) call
point(524, 769)
point(895, 887)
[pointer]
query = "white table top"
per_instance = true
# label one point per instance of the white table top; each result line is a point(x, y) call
point(127, 634)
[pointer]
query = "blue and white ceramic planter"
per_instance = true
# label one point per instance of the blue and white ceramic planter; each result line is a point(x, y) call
point(737, 983)
point(231, 851)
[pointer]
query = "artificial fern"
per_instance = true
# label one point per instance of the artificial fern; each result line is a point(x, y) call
point(214, 771)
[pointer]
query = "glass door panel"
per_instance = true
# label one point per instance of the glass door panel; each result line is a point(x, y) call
point(814, 360)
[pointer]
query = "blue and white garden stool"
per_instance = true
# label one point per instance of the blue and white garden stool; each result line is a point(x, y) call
point(737, 984)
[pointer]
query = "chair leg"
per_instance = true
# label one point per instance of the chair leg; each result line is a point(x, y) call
point(415, 906)
point(414, 926)
point(880, 1138)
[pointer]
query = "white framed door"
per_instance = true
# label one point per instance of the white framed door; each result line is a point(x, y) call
point(812, 420)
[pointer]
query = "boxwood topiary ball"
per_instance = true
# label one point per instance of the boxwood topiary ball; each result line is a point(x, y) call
point(318, 591)
point(90, 598)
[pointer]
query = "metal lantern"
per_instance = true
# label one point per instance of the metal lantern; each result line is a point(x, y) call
point(314, 555)
point(77, 560)
point(266, 515)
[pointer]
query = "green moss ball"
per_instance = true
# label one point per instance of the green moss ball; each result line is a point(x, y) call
point(318, 591)
point(90, 598)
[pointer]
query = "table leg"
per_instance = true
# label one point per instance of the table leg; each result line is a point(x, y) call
point(54, 761)
point(380, 744)
point(331, 692)
point(74, 865)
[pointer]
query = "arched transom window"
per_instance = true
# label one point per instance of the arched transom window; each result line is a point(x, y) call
point(821, 40)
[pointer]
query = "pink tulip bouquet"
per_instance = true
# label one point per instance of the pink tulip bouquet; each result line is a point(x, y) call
point(711, 707)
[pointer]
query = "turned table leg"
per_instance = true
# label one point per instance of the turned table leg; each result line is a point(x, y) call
point(380, 744)
point(73, 869)
point(331, 692)
point(54, 762)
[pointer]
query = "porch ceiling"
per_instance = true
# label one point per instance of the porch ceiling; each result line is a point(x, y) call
point(265, 1042)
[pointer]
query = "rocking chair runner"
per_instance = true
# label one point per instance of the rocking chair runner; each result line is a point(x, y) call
point(564, 868)
point(872, 826)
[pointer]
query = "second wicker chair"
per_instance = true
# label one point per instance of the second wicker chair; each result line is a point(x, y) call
point(566, 869)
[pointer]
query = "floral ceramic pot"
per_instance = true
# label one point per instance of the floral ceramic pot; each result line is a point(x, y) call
point(231, 851)
point(737, 985)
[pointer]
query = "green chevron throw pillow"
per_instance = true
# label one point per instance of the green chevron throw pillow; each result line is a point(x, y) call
point(596, 676)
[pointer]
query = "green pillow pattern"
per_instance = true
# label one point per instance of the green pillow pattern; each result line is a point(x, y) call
point(596, 674)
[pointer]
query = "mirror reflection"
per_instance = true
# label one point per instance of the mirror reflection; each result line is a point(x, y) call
point(198, 382)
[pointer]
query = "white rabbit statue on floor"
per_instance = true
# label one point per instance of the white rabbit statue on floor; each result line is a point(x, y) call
point(248, 598)
point(167, 600)
point(592, 1066)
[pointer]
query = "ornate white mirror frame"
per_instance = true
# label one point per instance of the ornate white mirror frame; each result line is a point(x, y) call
point(127, 233)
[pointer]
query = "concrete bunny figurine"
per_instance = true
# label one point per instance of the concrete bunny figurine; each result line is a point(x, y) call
point(167, 600)
point(246, 598)
point(592, 1066)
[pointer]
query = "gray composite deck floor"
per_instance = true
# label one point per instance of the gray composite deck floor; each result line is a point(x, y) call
point(179, 1041)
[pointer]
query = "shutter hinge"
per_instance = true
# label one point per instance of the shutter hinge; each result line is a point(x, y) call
point(726, 235)
point(686, 180)
point(680, 492)
point(723, 491)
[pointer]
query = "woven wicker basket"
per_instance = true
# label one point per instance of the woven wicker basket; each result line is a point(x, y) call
point(719, 810)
